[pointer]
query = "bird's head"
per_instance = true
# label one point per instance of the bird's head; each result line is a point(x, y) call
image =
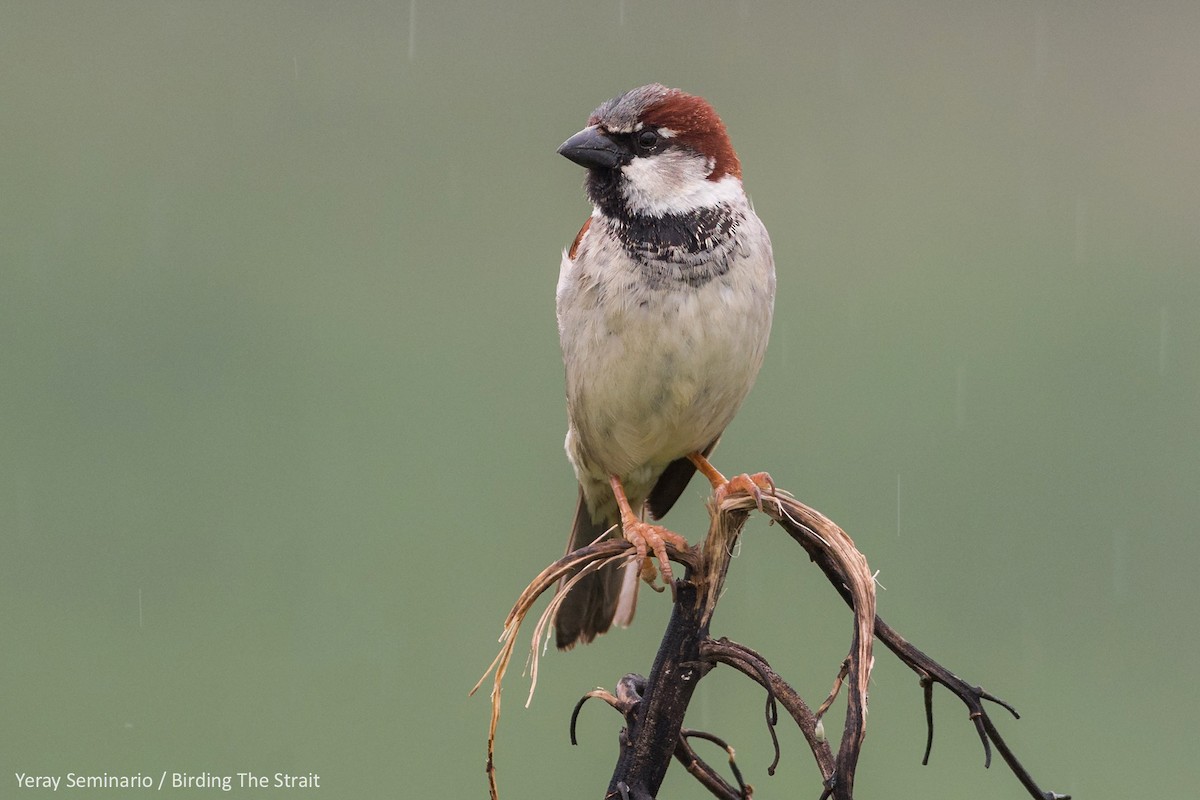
point(654, 151)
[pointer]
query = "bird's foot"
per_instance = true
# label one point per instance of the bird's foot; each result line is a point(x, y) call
point(650, 542)
point(756, 486)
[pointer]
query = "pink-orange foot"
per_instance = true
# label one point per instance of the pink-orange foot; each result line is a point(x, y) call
point(646, 539)
point(755, 486)
point(650, 540)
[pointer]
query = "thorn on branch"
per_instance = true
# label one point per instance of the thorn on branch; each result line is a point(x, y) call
point(754, 666)
point(989, 696)
point(972, 697)
point(607, 697)
point(772, 721)
point(654, 707)
point(705, 773)
point(927, 689)
point(976, 717)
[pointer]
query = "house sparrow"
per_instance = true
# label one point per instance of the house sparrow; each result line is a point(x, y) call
point(664, 309)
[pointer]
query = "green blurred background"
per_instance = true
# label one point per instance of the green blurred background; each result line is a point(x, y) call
point(282, 415)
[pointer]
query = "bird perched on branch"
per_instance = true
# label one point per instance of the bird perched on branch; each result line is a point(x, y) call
point(664, 310)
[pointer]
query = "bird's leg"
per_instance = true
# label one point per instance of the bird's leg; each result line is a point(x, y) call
point(755, 485)
point(647, 538)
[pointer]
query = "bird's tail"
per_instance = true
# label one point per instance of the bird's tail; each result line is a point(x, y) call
point(600, 599)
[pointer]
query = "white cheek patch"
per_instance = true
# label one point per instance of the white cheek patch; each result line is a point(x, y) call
point(675, 182)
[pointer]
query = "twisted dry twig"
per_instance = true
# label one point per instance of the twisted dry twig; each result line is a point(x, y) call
point(653, 707)
point(575, 564)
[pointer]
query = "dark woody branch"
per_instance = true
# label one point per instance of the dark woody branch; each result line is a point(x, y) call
point(654, 707)
point(928, 670)
point(687, 653)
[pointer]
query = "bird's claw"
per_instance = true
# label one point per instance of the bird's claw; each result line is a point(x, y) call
point(652, 540)
point(756, 486)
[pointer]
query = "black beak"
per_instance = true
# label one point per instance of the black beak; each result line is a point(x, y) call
point(592, 148)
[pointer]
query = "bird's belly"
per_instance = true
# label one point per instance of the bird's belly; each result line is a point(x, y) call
point(661, 376)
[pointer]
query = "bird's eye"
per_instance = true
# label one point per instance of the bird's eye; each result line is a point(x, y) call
point(646, 139)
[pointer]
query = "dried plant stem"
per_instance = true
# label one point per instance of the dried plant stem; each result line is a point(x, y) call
point(654, 707)
point(585, 560)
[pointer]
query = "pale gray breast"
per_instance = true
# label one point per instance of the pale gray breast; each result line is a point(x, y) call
point(658, 358)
